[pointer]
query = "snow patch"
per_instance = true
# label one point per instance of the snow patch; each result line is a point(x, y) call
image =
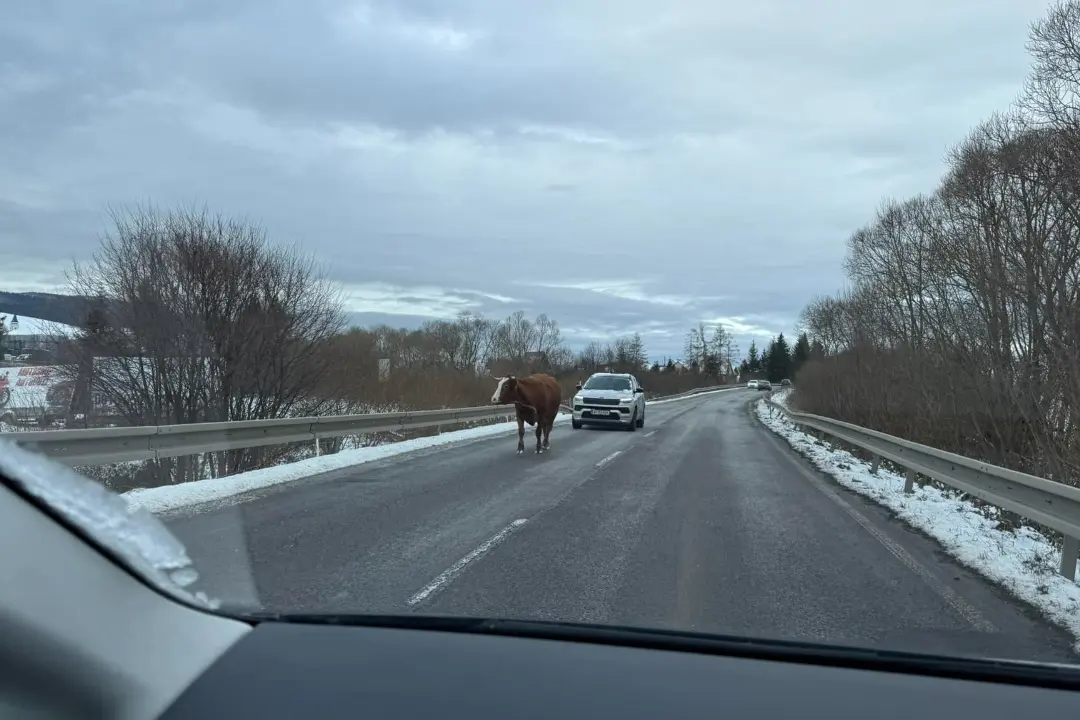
point(1023, 561)
point(172, 497)
point(782, 397)
point(37, 326)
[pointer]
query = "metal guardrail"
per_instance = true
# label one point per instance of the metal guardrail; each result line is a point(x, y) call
point(1049, 503)
point(103, 446)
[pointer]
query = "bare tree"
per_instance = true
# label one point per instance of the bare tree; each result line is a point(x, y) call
point(722, 350)
point(961, 324)
point(198, 318)
point(696, 347)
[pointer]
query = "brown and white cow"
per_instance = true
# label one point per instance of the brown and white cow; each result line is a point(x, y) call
point(536, 399)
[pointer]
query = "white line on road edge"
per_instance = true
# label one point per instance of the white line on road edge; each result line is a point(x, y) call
point(609, 458)
point(454, 570)
point(962, 606)
point(650, 434)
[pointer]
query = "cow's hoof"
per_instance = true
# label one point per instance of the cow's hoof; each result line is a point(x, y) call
point(520, 452)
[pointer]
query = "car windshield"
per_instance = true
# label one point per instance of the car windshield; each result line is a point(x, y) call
point(606, 382)
point(314, 285)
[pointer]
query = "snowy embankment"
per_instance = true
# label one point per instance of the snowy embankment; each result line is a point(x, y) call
point(173, 497)
point(1022, 560)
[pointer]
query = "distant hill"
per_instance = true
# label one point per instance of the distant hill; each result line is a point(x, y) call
point(70, 310)
point(66, 309)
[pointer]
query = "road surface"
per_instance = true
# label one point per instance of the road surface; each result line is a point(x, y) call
point(703, 520)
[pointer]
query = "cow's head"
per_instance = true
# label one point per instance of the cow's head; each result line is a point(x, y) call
point(506, 391)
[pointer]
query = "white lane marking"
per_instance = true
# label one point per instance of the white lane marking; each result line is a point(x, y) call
point(608, 459)
point(454, 570)
point(962, 606)
point(650, 434)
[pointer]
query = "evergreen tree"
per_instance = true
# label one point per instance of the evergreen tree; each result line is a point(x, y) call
point(655, 367)
point(711, 366)
point(669, 365)
point(800, 354)
point(779, 365)
point(764, 360)
point(753, 362)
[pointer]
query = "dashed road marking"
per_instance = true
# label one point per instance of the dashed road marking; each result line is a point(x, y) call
point(608, 459)
point(444, 578)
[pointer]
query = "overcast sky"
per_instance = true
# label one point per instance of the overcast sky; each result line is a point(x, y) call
point(621, 165)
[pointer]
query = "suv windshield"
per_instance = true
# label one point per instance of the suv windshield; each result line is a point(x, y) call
point(606, 382)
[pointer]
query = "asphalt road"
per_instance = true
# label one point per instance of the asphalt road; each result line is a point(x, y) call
point(702, 520)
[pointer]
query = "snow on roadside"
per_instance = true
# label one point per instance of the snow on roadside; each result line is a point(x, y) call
point(781, 398)
point(1024, 561)
point(172, 497)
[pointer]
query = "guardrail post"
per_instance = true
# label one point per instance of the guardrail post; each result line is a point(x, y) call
point(1070, 548)
point(316, 447)
point(909, 482)
point(876, 466)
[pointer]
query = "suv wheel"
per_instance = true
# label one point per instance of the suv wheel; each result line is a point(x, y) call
point(633, 422)
point(641, 420)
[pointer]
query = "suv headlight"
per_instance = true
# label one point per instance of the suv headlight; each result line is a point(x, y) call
point(577, 400)
point(626, 401)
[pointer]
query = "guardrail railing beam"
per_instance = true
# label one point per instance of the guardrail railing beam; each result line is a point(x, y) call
point(1048, 503)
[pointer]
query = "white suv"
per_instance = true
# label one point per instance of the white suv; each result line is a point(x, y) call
point(610, 399)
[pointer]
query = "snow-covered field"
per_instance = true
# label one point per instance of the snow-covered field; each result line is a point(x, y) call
point(1023, 560)
point(173, 497)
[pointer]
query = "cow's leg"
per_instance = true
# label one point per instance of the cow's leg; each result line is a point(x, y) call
point(539, 433)
point(521, 435)
point(547, 433)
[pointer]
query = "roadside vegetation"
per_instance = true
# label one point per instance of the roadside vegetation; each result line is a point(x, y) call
point(960, 327)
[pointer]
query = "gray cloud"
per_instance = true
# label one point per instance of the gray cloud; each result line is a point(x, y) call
point(620, 166)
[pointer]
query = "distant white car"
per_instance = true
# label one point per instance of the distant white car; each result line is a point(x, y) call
point(752, 385)
point(609, 399)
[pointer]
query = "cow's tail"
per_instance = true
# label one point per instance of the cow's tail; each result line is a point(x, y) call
point(535, 413)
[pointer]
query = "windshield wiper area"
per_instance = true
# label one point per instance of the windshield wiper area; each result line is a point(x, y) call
point(1060, 676)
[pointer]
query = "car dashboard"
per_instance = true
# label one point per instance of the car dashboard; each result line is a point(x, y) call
point(290, 670)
